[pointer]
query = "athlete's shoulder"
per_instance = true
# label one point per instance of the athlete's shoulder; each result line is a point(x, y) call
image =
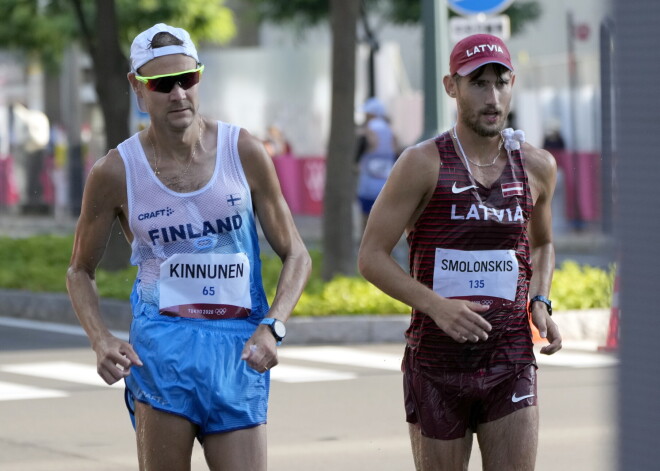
point(109, 169)
point(422, 156)
point(417, 169)
point(250, 148)
point(105, 188)
point(541, 169)
point(538, 161)
point(257, 164)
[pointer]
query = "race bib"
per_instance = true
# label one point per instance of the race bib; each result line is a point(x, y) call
point(205, 285)
point(461, 273)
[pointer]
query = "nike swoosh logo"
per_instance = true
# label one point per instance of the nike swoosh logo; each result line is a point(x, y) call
point(456, 190)
point(515, 398)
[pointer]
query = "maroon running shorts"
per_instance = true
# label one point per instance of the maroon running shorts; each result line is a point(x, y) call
point(445, 404)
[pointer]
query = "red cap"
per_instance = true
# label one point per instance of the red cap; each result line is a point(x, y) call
point(474, 51)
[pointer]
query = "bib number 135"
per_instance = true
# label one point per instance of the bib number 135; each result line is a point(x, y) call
point(476, 284)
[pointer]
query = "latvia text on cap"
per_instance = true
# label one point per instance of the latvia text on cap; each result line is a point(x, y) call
point(474, 51)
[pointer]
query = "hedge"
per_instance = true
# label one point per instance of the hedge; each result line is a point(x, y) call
point(39, 264)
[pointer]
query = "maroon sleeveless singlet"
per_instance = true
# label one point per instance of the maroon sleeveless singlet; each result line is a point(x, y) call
point(475, 238)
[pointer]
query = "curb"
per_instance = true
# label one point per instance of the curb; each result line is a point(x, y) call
point(588, 325)
point(56, 308)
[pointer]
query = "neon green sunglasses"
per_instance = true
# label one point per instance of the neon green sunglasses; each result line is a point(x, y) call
point(165, 83)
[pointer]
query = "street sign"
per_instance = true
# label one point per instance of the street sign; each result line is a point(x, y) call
point(461, 27)
point(476, 7)
point(582, 31)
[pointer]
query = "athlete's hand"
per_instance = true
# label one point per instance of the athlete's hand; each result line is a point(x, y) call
point(114, 358)
point(461, 320)
point(260, 351)
point(547, 328)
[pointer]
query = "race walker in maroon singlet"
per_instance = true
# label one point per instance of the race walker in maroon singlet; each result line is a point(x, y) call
point(470, 242)
point(474, 222)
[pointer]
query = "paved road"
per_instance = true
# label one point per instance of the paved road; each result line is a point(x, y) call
point(331, 408)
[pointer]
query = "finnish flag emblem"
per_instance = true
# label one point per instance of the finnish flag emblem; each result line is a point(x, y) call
point(233, 199)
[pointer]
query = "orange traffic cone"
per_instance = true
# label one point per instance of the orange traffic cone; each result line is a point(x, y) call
point(612, 341)
point(536, 336)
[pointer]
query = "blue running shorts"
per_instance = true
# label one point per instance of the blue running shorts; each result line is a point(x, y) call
point(193, 368)
point(366, 204)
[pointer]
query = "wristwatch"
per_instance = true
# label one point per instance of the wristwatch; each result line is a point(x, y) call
point(544, 300)
point(277, 328)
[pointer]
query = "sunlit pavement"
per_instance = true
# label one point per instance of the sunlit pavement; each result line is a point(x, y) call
point(332, 407)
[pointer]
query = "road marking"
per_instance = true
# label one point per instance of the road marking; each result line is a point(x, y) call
point(86, 374)
point(302, 374)
point(355, 357)
point(14, 392)
point(392, 362)
point(344, 356)
point(61, 371)
point(53, 327)
point(577, 359)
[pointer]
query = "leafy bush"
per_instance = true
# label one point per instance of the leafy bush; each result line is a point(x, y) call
point(39, 264)
point(35, 264)
point(344, 295)
point(582, 287)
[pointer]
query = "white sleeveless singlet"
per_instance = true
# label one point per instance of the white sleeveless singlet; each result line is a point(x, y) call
point(200, 247)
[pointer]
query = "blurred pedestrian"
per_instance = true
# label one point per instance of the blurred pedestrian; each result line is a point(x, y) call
point(31, 136)
point(375, 156)
point(276, 143)
point(553, 140)
point(186, 191)
point(475, 204)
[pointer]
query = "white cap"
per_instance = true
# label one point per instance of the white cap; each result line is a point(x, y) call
point(375, 107)
point(142, 52)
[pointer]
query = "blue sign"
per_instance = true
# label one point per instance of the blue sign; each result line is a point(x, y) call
point(475, 7)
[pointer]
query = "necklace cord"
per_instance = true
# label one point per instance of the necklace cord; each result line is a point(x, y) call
point(190, 158)
point(476, 164)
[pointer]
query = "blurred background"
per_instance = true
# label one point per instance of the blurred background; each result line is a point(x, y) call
point(296, 73)
point(64, 98)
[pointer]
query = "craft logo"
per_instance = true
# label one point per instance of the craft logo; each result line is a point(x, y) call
point(154, 214)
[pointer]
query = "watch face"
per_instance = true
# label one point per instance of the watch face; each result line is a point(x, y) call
point(280, 329)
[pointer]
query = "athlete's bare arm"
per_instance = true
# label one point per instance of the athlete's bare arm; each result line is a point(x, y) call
point(405, 195)
point(542, 173)
point(103, 200)
point(282, 235)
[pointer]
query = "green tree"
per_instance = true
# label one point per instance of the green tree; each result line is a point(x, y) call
point(311, 12)
point(410, 11)
point(105, 29)
point(338, 245)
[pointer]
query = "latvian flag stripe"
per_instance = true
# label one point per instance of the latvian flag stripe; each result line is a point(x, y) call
point(512, 189)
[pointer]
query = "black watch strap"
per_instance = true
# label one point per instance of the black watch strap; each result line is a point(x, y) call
point(544, 300)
